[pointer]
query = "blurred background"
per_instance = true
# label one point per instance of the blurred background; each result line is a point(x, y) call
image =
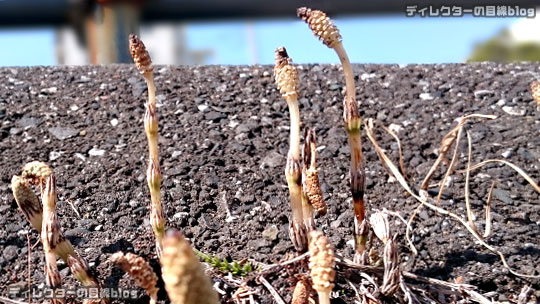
point(188, 32)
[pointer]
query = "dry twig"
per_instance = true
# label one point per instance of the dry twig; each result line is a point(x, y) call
point(271, 289)
point(424, 200)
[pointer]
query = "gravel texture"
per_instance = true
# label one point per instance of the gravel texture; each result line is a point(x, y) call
point(223, 141)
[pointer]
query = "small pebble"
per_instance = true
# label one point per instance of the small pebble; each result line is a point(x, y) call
point(96, 152)
point(426, 96)
point(514, 111)
point(202, 107)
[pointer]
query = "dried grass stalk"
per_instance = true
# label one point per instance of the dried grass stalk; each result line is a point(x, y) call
point(321, 265)
point(427, 202)
point(392, 273)
point(50, 236)
point(143, 62)
point(139, 270)
point(487, 229)
point(183, 274)
point(381, 227)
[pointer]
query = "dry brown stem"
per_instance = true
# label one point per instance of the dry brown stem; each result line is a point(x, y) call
point(487, 229)
point(428, 202)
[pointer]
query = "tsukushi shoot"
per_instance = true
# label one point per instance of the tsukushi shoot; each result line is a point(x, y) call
point(324, 28)
point(143, 62)
point(182, 274)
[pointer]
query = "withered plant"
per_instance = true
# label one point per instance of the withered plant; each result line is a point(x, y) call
point(143, 62)
point(323, 27)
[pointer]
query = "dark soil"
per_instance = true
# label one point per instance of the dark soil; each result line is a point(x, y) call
point(223, 141)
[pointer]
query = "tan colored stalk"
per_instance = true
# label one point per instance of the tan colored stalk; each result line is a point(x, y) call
point(391, 278)
point(310, 174)
point(50, 236)
point(183, 274)
point(321, 265)
point(324, 28)
point(143, 62)
point(287, 82)
point(36, 173)
point(139, 270)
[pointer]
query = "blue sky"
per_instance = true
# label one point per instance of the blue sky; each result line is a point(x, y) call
point(367, 39)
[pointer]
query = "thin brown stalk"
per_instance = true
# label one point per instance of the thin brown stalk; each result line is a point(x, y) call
point(529, 179)
point(487, 229)
point(447, 142)
point(470, 214)
point(425, 201)
point(400, 152)
point(271, 289)
point(392, 273)
point(450, 169)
